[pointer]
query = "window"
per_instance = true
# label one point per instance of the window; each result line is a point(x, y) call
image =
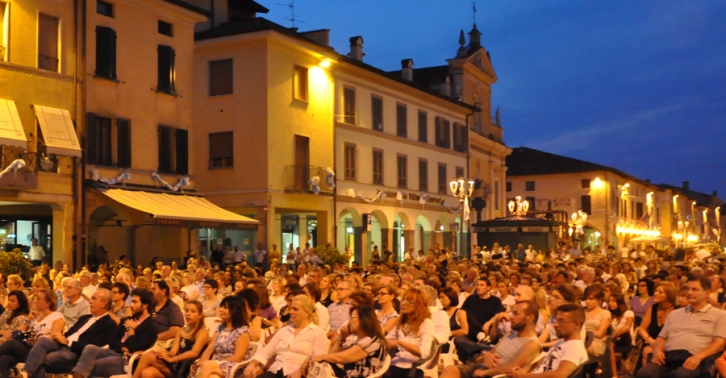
point(349, 157)
point(221, 74)
point(221, 150)
point(442, 178)
point(48, 42)
point(165, 28)
point(532, 203)
point(401, 162)
point(349, 105)
point(585, 183)
point(529, 186)
point(509, 186)
point(123, 138)
point(461, 143)
point(496, 194)
point(300, 83)
point(3, 28)
point(173, 150)
point(100, 141)
point(377, 167)
point(105, 8)
point(459, 172)
point(443, 133)
point(639, 210)
point(423, 127)
point(105, 52)
point(423, 175)
point(377, 113)
point(586, 204)
point(401, 120)
point(167, 74)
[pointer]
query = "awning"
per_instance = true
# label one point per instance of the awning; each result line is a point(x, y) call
point(59, 134)
point(180, 210)
point(11, 130)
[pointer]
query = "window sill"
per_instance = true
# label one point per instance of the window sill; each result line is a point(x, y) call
point(161, 91)
point(106, 79)
point(220, 168)
point(220, 94)
point(300, 100)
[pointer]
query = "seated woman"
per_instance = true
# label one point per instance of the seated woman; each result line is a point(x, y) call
point(597, 320)
point(15, 314)
point(251, 299)
point(231, 341)
point(14, 282)
point(265, 309)
point(664, 301)
point(562, 294)
point(292, 344)
point(187, 346)
point(387, 315)
point(210, 300)
point(622, 323)
point(413, 335)
point(458, 323)
point(189, 291)
point(362, 357)
point(44, 321)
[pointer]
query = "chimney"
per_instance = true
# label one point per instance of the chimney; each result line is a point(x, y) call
point(686, 185)
point(407, 69)
point(321, 37)
point(356, 48)
point(647, 180)
point(715, 193)
point(446, 87)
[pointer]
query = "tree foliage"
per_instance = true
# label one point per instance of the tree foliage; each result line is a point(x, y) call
point(14, 262)
point(329, 255)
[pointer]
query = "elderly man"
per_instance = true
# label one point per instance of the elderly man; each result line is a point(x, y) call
point(75, 306)
point(689, 336)
point(133, 334)
point(88, 288)
point(438, 316)
point(165, 272)
point(59, 353)
point(340, 311)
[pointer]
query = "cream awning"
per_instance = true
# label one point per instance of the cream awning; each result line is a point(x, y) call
point(59, 134)
point(11, 130)
point(180, 210)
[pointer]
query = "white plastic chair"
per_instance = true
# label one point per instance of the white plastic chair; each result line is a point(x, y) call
point(449, 358)
point(212, 323)
point(129, 368)
point(254, 347)
point(383, 369)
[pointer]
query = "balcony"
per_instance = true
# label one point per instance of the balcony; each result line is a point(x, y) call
point(297, 179)
point(48, 63)
point(13, 176)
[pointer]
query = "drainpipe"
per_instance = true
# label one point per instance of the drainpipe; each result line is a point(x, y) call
point(82, 192)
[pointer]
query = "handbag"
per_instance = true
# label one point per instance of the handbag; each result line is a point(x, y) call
point(320, 370)
point(630, 362)
point(28, 338)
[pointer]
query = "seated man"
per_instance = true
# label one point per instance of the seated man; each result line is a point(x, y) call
point(61, 351)
point(136, 333)
point(166, 313)
point(689, 335)
point(514, 351)
point(567, 354)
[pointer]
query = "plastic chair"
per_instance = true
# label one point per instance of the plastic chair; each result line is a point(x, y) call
point(212, 323)
point(129, 368)
point(254, 347)
point(604, 360)
point(383, 369)
point(449, 358)
point(424, 363)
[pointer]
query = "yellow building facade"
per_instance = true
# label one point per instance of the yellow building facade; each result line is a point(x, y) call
point(38, 104)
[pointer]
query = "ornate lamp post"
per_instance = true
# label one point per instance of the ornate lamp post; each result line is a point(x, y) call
point(462, 189)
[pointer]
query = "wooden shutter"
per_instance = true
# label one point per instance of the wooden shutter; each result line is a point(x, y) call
point(123, 132)
point(164, 149)
point(166, 68)
point(105, 52)
point(91, 138)
point(182, 151)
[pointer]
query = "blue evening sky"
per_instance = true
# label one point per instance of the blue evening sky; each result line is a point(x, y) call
point(637, 85)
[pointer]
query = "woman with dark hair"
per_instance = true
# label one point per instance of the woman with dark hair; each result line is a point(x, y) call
point(644, 298)
point(187, 346)
point(252, 301)
point(210, 300)
point(15, 314)
point(664, 301)
point(457, 317)
point(597, 320)
point(456, 284)
point(43, 321)
point(622, 324)
point(413, 335)
point(360, 356)
point(265, 309)
point(231, 341)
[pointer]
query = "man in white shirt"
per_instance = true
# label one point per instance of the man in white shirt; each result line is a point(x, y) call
point(36, 253)
point(567, 354)
point(260, 254)
point(438, 316)
point(239, 256)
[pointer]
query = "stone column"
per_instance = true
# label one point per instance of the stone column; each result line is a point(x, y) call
point(359, 237)
point(408, 241)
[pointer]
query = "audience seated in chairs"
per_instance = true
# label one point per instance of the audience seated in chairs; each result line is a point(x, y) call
point(622, 324)
point(387, 315)
point(231, 341)
point(74, 306)
point(358, 356)
point(597, 319)
point(664, 302)
point(292, 344)
point(44, 321)
point(167, 314)
point(413, 336)
point(438, 316)
point(188, 345)
point(251, 300)
point(16, 313)
point(515, 350)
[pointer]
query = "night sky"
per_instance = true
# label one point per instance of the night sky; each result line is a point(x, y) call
point(637, 85)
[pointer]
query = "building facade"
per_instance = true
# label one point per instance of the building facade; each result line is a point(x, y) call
point(606, 206)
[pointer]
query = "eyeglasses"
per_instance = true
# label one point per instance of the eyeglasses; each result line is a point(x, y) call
point(383, 293)
point(342, 288)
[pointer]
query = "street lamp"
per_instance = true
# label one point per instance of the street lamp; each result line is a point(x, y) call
point(460, 189)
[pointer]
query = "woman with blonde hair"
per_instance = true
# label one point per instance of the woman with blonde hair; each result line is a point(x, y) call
point(540, 296)
point(356, 283)
point(292, 344)
point(189, 290)
point(413, 335)
point(277, 293)
point(327, 290)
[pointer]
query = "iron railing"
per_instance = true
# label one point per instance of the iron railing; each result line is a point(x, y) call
point(298, 177)
point(34, 161)
point(48, 63)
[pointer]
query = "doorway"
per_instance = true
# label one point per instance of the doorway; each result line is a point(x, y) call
point(302, 162)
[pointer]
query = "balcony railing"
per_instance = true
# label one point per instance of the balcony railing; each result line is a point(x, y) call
point(48, 63)
point(298, 176)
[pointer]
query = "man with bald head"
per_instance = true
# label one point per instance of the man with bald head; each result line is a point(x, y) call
point(60, 352)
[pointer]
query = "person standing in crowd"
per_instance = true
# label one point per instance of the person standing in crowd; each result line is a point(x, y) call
point(260, 255)
point(36, 253)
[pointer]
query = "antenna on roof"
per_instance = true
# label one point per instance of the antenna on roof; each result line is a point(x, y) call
point(473, 9)
point(292, 18)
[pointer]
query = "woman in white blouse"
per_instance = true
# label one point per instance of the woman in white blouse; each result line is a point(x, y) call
point(292, 344)
point(413, 335)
